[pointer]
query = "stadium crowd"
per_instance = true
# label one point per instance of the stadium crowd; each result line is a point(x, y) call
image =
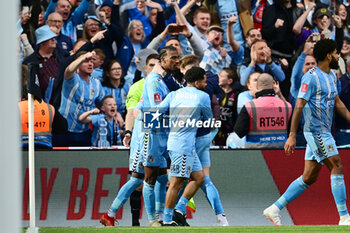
point(86, 54)
point(98, 64)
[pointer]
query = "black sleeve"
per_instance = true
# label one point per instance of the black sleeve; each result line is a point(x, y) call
point(159, 27)
point(339, 37)
point(268, 29)
point(241, 127)
point(59, 124)
point(168, 12)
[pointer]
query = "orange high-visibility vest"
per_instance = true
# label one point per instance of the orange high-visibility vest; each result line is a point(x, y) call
point(268, 125)
point(43, 118)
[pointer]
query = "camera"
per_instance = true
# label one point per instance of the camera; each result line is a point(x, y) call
point(176, 28)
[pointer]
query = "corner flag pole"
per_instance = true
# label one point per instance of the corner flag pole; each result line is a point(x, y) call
point(31, 161)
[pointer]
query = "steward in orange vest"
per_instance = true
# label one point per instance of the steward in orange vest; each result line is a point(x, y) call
point(43, 117)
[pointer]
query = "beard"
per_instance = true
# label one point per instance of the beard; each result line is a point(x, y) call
point(334, 64)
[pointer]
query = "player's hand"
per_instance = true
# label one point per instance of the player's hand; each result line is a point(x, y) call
point(136, 112)
point(126, 140)
point(289, 147)
point(158, 69)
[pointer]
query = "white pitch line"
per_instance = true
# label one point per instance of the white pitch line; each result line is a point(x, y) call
point(32, 230)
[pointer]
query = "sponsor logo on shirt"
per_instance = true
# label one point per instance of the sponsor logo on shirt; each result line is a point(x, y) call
point(304, 87)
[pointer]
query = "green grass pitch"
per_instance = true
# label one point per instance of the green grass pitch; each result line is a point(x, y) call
point(263, 229)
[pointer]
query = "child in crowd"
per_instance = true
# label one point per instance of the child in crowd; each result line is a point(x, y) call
point(114, 84)
point(106, 132)
point(98, 60)
point(228, 104)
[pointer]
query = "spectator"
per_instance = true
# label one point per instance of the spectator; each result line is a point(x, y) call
point(252, 36)
point(130, 46)
point(305, 5)
point(343, 14)
point(98, 61)
point(248, 95)
point(189, 40)
point(70, 19)
point(264, 120)
point(106, 7)
point(228, 104)
point(140, 61)
point(277, 25)
point(345, 51)
point(80, 94)
point(215, 57)
point(25, 47)
point(149, 18)
point(59, 137)
point(55, 22)
point(342, 126)
point(106, 131)
point(322, 21)
point(201, 20)
point(304, 62)
point(227, 9)
point(35, 21)
point(114, 84)
point(258, 12)
point(175, 41)
point(237, 51)
point(44, 116)
point(47, 58)
point(113, 34)
point(261, 62)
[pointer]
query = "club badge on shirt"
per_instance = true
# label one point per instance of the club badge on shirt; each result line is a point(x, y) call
point(304, 87)
point(157, 98)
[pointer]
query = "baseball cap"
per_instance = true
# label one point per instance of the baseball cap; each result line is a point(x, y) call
point(321, 12)
point(44, 33)
point(347, 38)
point(107, 3)
point(216, 27)
point(94, 17)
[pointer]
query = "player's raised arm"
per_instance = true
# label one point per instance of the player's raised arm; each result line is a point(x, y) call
point(290, 144)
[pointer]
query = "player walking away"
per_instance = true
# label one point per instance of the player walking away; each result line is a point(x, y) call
point(316, 99)
point(155, 150)
point(188, 104)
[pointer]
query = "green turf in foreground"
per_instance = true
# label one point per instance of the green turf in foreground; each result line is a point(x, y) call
point(264, 229)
